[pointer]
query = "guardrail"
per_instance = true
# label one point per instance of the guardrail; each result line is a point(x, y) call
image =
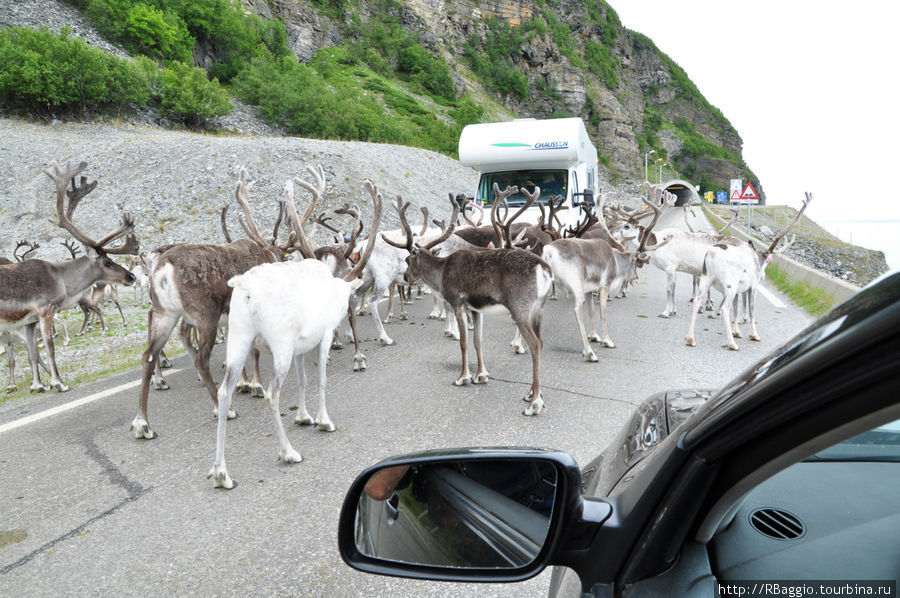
point(841, 290)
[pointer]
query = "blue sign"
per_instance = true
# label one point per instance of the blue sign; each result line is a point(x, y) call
point(721, 197)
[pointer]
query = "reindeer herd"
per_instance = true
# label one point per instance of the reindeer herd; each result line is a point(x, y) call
point(289, 297)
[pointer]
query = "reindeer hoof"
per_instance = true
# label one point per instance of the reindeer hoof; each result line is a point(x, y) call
point(142, 430)
point(590, 356)
point(231, 413)
point(388, 342)
point(737, 334)
point(359, 364)
point(755, 337)
point(534, 407)
point(326, 426)
point(10, 388)
point(161, 385)
point(289, 456)
point(462, 381)
point(732, 346)
point(220, 478)
point(40, 388)
point(690, 342)
point(666, 314)
point(243, 388)
point(304, 420)
point(480, 378)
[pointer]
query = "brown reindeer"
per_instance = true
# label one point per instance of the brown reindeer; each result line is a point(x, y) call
point(188, 283)
point(32, 291)
point(511, 279)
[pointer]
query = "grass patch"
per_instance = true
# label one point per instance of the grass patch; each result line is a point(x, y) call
point(814, 300)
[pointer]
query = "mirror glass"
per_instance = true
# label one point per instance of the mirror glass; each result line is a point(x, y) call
point(470, 513)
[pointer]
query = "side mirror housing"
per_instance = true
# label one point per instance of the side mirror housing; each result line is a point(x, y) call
point(480, 514)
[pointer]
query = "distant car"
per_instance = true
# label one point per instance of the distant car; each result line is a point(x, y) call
point(789, 474)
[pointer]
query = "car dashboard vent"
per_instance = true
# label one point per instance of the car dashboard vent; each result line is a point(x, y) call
point(777, 524)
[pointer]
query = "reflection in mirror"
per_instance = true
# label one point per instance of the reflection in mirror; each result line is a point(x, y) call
point(469, 513)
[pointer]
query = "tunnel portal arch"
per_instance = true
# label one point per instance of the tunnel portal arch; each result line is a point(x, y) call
point(683, 190)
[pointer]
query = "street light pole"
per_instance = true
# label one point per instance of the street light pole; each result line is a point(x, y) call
point(647, 155)
point(660, 163)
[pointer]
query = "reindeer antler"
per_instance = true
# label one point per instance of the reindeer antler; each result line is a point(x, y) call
point(73, 249)
point(793, 223)
point(32, 247)
point(61, 177)
point(242, 195)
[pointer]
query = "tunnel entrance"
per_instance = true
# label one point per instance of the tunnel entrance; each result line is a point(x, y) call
point(683, 190)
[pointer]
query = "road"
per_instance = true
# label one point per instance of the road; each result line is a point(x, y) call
point(86, 509)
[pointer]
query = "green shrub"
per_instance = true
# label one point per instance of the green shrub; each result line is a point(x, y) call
point(42, 71)
point(491, 60)
point(155, 33)
point(187, 95)
point(602, 62)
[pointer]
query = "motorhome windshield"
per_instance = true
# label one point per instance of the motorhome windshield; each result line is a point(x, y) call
point(551, 182)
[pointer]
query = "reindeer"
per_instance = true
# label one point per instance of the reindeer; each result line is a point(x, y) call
point(314, 302)
point(683, 253)
point(510, 279)
point(734, 268)
point(583, 266)
point(32, 291)
point(188, 283)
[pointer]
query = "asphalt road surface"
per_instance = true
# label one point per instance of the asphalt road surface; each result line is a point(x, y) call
point(86, 509)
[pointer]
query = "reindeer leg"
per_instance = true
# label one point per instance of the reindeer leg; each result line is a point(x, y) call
point(587, 352)
point(206, 338)
point(235, 357)
point(464, 377)
point(481, 375)
point(282, 363)
point(390, 311)
point(160, 327)
point(372, 302)
point(33, 357)
point(751, 313)
point(698, 302)
point(303, 417)
point(119, 307)
point(404, 292)
point(451, 330)
point(670, 295)
point(11, 356)
point(359, 358)
point(726, 318)
point(62, 323)
point(323, 422)
point(531, 330)
point(602, 300)
point(256, 385)
point(46, 324)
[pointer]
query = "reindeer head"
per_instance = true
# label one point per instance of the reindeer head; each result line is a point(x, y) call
point(99, 249)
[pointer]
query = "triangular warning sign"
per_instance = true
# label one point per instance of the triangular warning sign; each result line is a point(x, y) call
point(749, 192)
point(735, 195)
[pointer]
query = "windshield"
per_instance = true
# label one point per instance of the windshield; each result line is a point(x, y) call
point(551, 182)
point(879, 444)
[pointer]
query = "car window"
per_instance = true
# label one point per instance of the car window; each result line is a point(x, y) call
point(879, 444)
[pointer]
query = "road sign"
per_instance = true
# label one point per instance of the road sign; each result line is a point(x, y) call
point(749, 192)
point(721, 197)
point(735, 195)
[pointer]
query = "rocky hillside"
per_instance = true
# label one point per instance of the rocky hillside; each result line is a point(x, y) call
point(578, 59)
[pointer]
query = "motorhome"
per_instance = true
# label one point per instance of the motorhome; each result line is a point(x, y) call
point(556, 155)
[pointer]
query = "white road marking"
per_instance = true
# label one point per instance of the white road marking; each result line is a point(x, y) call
point(74, 404)
point(772, 298)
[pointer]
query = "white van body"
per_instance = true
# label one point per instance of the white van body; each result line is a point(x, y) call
point(556, 155)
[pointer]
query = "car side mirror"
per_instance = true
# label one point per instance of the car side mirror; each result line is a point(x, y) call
point(465, 515)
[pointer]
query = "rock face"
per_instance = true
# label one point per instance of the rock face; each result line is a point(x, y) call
point(645, 79)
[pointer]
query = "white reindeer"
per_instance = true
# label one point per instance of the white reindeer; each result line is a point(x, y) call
point(734, 268)
point(289, 309)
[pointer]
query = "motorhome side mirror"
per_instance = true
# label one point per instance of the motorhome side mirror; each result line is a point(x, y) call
point(589, 198)
point(467, 515)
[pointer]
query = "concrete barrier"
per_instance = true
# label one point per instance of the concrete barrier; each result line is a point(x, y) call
point(841, 290)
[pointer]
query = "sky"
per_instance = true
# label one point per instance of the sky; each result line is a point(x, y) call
point(812, 88)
